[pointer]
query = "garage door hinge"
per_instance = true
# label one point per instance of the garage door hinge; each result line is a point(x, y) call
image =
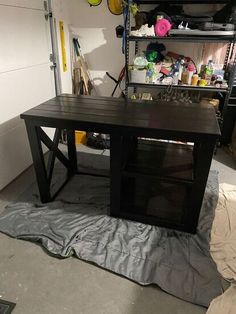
point(53, 66)
point(52, 59)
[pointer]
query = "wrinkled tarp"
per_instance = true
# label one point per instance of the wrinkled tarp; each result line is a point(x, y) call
point(77, 223)
point(223, 248)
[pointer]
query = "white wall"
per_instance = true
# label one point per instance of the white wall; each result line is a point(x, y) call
point(95, 27)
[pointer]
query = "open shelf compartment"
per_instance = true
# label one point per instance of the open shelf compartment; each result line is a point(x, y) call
point(156, 181)
point(154, 202)
point(163, 160)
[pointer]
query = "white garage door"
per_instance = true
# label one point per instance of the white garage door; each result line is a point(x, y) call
point(25, 78)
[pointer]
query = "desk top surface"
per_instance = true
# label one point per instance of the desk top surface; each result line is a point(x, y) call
point(116, 113)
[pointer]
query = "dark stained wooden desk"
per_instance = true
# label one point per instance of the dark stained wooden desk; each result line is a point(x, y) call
point(146, 176)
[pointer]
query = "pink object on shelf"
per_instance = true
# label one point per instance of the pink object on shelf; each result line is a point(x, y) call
point(162, 27)
point(191, 67)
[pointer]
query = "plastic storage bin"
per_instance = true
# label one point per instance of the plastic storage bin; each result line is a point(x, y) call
point(138, 76)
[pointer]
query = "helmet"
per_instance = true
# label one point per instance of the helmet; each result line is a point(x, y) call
point(115, 6)
point(94, 2)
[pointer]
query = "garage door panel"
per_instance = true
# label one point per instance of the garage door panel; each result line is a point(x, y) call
point(26, 79)
point(32, 4)
point(13, 144)
point(25, 37)
point(24, 89)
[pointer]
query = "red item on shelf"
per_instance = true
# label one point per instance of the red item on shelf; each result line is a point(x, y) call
point(165, 71)
point(162, 27)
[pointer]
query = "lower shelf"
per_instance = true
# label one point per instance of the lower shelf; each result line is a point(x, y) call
point(159, 201)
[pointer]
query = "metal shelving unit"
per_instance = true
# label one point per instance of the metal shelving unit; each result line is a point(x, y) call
point(186, 87)
point(229, 115)
point(199, 39)
point(230, 92)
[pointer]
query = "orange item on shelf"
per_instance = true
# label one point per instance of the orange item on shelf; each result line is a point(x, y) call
point(195, 79)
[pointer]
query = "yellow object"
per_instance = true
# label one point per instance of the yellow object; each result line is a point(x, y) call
point(94, 2)
point(80, 137)
point(202, 83)
point(63, 47)
point(115, 6)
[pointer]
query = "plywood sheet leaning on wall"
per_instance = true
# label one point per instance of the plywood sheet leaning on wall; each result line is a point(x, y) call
point(82, 84)
point(81, 81)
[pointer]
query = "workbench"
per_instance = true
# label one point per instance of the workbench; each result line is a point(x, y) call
point(160, 153)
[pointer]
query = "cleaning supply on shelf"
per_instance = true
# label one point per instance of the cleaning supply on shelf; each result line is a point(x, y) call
point(210, 68)
point(176, 78)
point(185, 76)
point(151, 73)
point(207, 72)
point(181, 66)
point(191, 69)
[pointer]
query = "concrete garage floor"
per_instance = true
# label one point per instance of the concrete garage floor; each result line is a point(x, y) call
point(39, 283)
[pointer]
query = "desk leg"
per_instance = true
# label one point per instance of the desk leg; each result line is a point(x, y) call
point(72, 155)
point(38, 161)
point(203, 157)
point(115, 170)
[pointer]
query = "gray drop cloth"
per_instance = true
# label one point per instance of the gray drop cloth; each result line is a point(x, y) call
point(77, 224)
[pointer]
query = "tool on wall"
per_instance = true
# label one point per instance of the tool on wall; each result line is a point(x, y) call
point(63, 47)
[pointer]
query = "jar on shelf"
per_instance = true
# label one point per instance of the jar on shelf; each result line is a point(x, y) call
point(185, 76)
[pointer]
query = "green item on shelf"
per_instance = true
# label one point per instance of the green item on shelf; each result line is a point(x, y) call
point(151, 72)
point(133, 7)
point(151, 55)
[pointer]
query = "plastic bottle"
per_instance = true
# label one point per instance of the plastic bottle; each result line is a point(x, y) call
point(210, 67)
point(209, 72)
point(181, 66)
point(175, 78)
point(191, 69)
